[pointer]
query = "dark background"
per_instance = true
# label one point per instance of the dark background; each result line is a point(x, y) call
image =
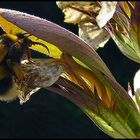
point(48, 115)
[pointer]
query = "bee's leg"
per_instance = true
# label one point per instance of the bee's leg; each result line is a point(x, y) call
point(29, 58)
point(28, 52)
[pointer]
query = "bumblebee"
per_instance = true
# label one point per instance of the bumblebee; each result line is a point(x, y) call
point(13, 47)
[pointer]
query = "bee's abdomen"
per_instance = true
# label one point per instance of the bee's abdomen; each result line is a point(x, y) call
point(8, 90)
point(5, 85)
point(5, 79)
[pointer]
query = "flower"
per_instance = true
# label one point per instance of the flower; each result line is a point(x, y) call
point(98, 21)
point(80, 74)
point(84, 14)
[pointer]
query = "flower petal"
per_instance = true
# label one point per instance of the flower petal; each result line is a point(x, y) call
point(106, 13)
point(93, 35)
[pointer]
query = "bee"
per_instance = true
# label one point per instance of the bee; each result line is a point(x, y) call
point(13, 47)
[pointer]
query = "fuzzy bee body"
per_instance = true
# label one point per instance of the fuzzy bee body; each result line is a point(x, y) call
point(5, 79)
point(12, 49)
point(7, 87)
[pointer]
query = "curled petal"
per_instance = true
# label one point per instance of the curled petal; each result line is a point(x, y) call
point(84, 14)
point(106, 13)
point(93, 35)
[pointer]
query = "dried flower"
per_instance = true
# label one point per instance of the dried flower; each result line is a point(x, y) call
point(84, 14)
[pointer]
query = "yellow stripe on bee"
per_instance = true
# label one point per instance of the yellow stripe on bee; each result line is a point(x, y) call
point(13, 37)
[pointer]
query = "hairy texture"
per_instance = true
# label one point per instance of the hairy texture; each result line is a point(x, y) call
point(11, 94)
point(40, 74)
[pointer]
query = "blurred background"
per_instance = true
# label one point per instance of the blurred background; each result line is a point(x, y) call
point(46, 114)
